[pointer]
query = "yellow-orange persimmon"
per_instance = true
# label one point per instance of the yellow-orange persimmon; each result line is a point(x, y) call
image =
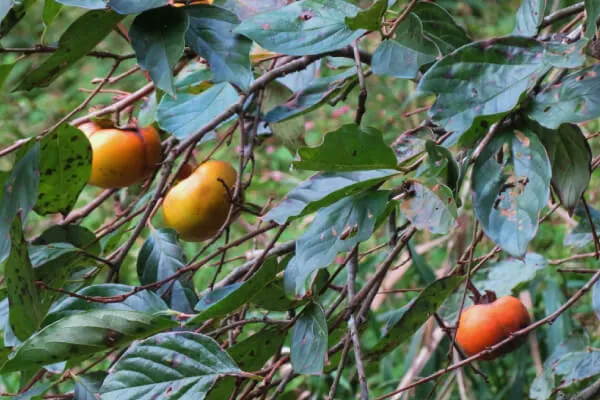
point(484, 325)
point(121, 157)
point(198, 206)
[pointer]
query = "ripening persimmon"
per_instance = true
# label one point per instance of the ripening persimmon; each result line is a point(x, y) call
point(198, 206)
point(484, 325)
point(121, 157)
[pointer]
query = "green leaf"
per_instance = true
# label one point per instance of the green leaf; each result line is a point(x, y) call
point(186, 114)
point(578, 366)
point(404, 54)
point(429, 205)
point(309, 340)
point(571, 159)
point(592, 11)
point(563, 326)
point(309, 98)
point(135, 6)
point(230, 298)
point(49, 14)
point(19, 192)
point(440, 164)
point(76, 235)
point(87, 386)
point(5, 70)
point(529, 17)
point(440, 27)
point(576, 99)
point(324, 189)
point(596, 299)
point(499, 72)
point(23, 295)
point(369, 19)
point(157, 36)
point(12, 13)
point(211, 35)
point(250, 355)
point(160, 257)
point(147, 112)
point(78, 336)
point(144, 302)
point(350, 148)
point(508, 276)
point(415, 315)
point(581, 235)
point(336, 228)
point(508, 195)
point(75, 43)
point(248, 8)
point(303, 27)
point(66, 166)
point(89, 4)
point(179, 365)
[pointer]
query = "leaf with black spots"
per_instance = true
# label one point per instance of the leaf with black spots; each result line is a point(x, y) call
point(510, 190)
point(349, 148)
point(66, 167)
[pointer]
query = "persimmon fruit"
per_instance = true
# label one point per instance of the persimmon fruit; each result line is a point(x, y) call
point(484, 325)
point(198, 206)
point(121, 157)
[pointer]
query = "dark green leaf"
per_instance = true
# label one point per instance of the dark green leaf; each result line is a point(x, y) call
point(369, 19)
point(248, 8)
point(66, 166)
point(76, 235)
point(178, 365)
point(75, 43)
point(12, 13)
point(77, 336)
point(403, 55)
point(508, 195)
point(429, 205)
point(324, 189)
point(231, 298)
point(160, 257)
point(23, 294)
point(33, 393)
point(336, 228)
point(578, 366)
point(144, 301)
point(592, 11)
point(186, 114)
point(303, 27)
point(309, 98)
point(440, 27)
point(211, 36)
point(415, 315)
point(350, 148)
point(87, 386)
point(529, 17)
point(571, 159)
point(499, 72)
point(309, 340)
point(157, 36)
point(576, 99)
point(19, 192)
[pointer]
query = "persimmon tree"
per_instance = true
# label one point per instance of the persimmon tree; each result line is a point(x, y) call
point(360, 273)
